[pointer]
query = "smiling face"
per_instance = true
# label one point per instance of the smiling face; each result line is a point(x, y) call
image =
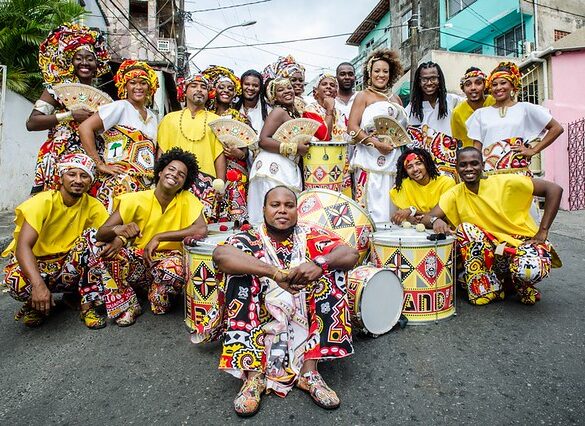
point(84, 65)
point(345, 77)
point(172, 177)
point(280, 210)
point(251, 88)
point(474, 88)
point(417, 171)
point(502, 89)
point(196, 93)
point(429, 81)
point(138, 91)
point(298, 82)
point(75, 182)
point(326, 89)
point(225, 91)
point(284, 95)
point(469, 167)
point(380, 74)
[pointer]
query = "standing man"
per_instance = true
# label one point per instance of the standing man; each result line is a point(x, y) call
point(49, 254)
point(156, 221)
point(498, 241)
point(189, 130)
point(345, 75)
point(473, 85)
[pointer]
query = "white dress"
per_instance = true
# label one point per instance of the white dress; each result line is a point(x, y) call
point(431, 115)
point(379, 170)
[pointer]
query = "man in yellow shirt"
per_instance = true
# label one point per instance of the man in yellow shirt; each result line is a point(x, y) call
point(189, 130)
point(473, 85)
point(51, 249)
point(498, 240)
point(156, 221)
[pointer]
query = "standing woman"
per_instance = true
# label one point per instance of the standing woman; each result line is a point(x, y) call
point(129, 133)
point(225, 86)
point(287, 67)
point(502, 131)
point(71, 54)
point(374, 161)
point(277, 162)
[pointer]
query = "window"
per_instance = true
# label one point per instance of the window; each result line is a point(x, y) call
point(456, 6)
point(139, 13)
point(560, 34)
point(507, 43)
point(404, 29)
point(369, 44)
point(478, 50)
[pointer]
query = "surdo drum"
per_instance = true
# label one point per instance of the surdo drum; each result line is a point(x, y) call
point(324, 165)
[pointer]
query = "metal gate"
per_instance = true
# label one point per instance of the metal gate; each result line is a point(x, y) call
point(576, 154)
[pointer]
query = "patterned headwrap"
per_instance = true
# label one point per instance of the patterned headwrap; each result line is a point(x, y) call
point(57, 50)
point(183, 82)
point(324, 76)
point(508, 71)
point(215, 74)
point(130, 69)
point(472, 74)
point(77, 161)
point(411, 157)
point(285, 66)
point(273, 85)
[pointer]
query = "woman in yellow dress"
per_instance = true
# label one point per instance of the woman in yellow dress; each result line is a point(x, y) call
point(418, 187)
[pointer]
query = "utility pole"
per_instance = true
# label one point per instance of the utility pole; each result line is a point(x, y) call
point(414, 25)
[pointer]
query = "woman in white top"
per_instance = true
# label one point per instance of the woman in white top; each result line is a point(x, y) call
point(504, 130)
point(126, 161)
point(374, 161)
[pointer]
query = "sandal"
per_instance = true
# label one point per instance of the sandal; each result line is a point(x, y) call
point(128, 317)
point(30, 317)
point(247, 402)
point(322, 395)
point(488, 297)
point(92, 319)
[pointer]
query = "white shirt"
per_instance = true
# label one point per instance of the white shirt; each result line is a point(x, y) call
point(345, 107)
point(431, 115)
point(123, 113)
point(523, 120)
point(254, 115)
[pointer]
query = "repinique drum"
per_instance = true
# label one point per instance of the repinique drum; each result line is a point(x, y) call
point(324, 165)
point(425, 269)
point(375, 299)
point(338, 214)
point(201, 287)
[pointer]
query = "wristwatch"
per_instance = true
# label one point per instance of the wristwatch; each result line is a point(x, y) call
point(412, 211)
point(321, 262)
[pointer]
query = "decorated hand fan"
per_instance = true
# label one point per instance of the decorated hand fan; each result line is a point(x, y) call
point(233, 133)
point(390, 130)
point(298, 130)
point(77, 96)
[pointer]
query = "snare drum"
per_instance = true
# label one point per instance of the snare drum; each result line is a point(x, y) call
point(375, 299)
point(339, 215)
point(425, 269)
point(201, 288)
point(325, 165)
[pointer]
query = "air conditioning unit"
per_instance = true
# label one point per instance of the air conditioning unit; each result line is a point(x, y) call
point(527, 47)
point(164, 46)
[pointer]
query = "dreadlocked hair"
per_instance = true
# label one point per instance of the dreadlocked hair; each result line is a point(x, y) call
point(185, 157)
point(261, 94)
point(390, 57)
point(416, 98)
point(427, 160)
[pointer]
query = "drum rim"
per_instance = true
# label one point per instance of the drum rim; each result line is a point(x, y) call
point(397, 241)
point(343, 197)
point(328, 143)
point(206, 250)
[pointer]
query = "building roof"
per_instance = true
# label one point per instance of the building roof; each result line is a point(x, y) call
point(573, 41)
point(369, 23)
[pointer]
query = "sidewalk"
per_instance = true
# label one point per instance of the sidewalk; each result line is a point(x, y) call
point(568, 224)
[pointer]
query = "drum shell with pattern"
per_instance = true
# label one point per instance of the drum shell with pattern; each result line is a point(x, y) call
point(425, 269)
point(375, 299)
point(201, 290)
point(324, 165)
point(338, 214)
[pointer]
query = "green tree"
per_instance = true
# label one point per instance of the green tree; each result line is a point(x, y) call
point(24, 24)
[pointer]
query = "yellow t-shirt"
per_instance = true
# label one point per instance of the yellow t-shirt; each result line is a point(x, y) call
point(501, 207)
point(424, 198)
point(460, 115)
point(57, 225)
point(171, 130)
point(143, 209)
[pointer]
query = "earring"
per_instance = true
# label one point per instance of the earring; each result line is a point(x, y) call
point(512, 95)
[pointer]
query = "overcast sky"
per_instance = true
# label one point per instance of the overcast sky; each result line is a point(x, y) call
point(277, 20)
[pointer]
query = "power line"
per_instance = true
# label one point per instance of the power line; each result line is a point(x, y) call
point(226, 7)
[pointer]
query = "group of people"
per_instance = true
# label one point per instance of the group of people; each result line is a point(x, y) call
point(116, 193)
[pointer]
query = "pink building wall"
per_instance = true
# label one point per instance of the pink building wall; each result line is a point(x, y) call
point(567, 105)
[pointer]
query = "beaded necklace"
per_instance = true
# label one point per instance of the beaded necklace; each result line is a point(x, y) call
point(292, 114)
point(183, 132)
point(378, 91)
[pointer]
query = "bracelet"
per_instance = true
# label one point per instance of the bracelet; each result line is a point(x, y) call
point(63, 117)
point(124, 239)
point(288, 149)
point(412, 211)
point(367, 137)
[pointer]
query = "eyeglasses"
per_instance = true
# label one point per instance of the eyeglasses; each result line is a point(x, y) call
point(433, 79)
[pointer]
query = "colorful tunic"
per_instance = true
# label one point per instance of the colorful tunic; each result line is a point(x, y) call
point(269, 330)
point(130, 142)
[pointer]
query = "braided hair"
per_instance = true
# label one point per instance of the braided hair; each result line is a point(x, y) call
point(416, 97)
point(261, 94)
point(427, 160)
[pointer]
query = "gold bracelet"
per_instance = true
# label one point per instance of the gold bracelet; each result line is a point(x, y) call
point(63, 117)
point(124, 239)
point(363, 139)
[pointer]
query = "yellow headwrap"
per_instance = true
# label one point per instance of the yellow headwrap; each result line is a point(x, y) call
point(130, 69)
point(508, 71)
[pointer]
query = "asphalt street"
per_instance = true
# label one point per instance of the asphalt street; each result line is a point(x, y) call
point(500, 364)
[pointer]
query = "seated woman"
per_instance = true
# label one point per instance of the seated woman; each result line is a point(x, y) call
point(127, 161)
point(419, 186)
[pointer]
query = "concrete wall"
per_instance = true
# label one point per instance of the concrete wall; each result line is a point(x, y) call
point(567, 105)
point(18, 151)
point(562, 16)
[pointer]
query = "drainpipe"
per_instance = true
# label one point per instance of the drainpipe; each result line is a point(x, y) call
point(535, 8)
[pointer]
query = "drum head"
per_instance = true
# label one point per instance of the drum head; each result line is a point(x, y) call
point(209, 244)
point(408, 237)
point(381, 302)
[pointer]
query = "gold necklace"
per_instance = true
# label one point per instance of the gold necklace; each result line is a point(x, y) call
point(503, 110)
point(378, 91)
point(183, 132)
